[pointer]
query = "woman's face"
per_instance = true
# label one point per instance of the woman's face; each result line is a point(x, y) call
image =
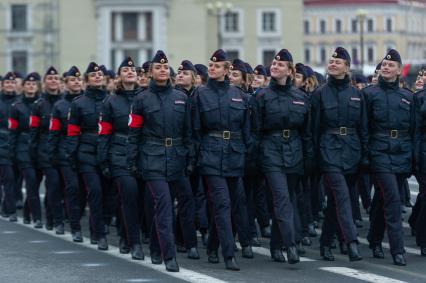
point(95, 79)
point(74, 84)
point(236, 78)
point(160, 72)
point(419, 83)
point(337, 67)
point(280, 69)
point(258, 81)
point(30, 88)
point(298, 80)
point(390, 70)
point(52, 83)
point(184, 78)
point(143, 79)
point(9, 86)
point(128, 75)
point(217, 70)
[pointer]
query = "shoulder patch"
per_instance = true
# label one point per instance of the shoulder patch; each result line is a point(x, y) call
point(180, 102)
point(355, 99)
point(237, 99)
point(405, 101)
point(298, 102)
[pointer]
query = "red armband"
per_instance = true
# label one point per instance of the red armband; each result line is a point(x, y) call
point(55, 124)
point(135, 121)
point(35, 121)
point(13, 124)
point(105, 128)
point(73, 130)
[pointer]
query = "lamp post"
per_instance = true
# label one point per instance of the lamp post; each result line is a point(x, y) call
point(361, 15)
point(218, 9)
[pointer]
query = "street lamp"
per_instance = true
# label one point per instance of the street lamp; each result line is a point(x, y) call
point(361, 14)
point(218, 9)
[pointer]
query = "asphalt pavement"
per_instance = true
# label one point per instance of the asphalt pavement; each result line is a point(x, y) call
point(31, 255)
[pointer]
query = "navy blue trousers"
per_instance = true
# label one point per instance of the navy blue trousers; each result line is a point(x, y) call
point(7, 181)
point(54, 194)
point(72, 196)
point(32, 185)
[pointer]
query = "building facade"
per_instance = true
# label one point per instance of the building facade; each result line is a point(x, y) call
point(399, 24)
point(35, 34)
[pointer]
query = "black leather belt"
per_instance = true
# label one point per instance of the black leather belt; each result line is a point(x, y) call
point(226, 135)
point(394, 134)
point(167, 142)
point(341, 131)
point(286, 133)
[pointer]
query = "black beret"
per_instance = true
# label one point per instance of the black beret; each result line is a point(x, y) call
point(160, 57)
point(73, 72)
point(268, 71)
point(18, 75)
point(309, 71)
point(10, 76)
point(238, 65)
point(393, 55)
point(93, 67)
point(260, 70)
point(301, 69)
point(202, 70)
point(284, 55)
point(145, 67)
point(111, 74)
point(103, 69)
point(219, 56)
point(187, 65)
point(341, 53)
point(33, 77)
point(360, 79)
point(128, 62)
point(249, 69)
point(51, 71)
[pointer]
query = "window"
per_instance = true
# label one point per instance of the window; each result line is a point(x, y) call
point(20, 61)
point(323, 55)
point(370, 25)
point(370, 54)
point(307, 55)
point(130, 26)
point(338, 26)
point(19, 18)
point(268, 56)
point(322, 26)
point(306, 27)
point(233, 54)
point(355, 55)
point(232, 22)
point(269, 22)
point(389, 25)
point(354, 25)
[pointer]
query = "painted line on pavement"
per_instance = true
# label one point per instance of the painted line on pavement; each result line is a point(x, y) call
point(184, 274)
point(361, 275)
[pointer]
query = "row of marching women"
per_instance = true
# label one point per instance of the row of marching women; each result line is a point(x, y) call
point(229, 144)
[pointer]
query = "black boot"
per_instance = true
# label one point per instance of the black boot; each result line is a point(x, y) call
point(123, 246)
point(306, 241)
point(102, 244)
point(137, 252)
point(423, 251)
point(378, 251)
point(212, 256)
point(292, 255)
point(93, 239)
point(171, 265)
point(311, 230)
point(255, 242)
point(326, 253)
point(13, 218)
point(38, 224)
point(277, 255)
point(399, 259)
point(300, 249)
point(180, 249)
point(247, 252)
point(353, 252)
point(77, 237)
point(266, 231)
point(231, 264)
point(193, 253)
point(156, 257)
point(343, 248)
point(59, 229)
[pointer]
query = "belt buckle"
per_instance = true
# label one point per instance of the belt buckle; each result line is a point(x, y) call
point(226, 135)
point(343, 131)
point(394, 134)
point(168, 142)
point(286, 134)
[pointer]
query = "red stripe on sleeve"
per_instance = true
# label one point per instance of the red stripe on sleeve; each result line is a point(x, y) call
point(73, 130)
point(55, 124)
point(135, 121)
point(105, 128)
point(13, 124)
point(35, 121)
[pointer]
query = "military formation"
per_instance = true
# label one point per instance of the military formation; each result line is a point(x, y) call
point(225, 150)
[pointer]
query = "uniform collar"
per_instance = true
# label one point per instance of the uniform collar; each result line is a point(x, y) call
point(218, 85)
point(96, 93)
point(339, 83)
point(388, 85)
point(155, 88)
point(280, 88)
